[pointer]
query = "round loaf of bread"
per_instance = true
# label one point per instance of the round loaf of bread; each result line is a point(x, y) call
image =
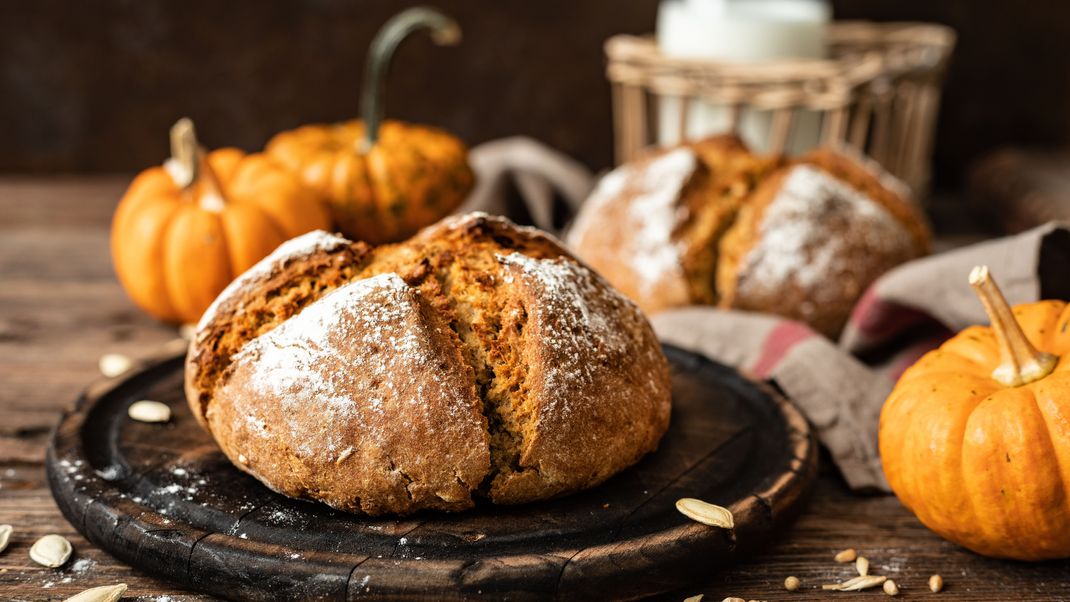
point(476, 360)
point(711, 223)
point(812, 237)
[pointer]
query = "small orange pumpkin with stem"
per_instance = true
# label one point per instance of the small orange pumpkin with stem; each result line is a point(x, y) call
point(183, 231)
point(975, 437)
point(384, 180)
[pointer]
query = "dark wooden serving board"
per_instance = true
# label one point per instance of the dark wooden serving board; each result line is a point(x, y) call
point(164, 499)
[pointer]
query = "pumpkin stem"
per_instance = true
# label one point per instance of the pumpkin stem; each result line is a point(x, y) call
point(188, 165)
point(183, 165)
point(444, 32)
point(1020, 361)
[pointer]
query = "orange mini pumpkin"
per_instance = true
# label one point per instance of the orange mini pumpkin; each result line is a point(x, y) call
point(183, 231)
point(383, 182)
point(975, 437)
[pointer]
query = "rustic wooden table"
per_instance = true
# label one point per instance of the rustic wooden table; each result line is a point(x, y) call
point(61, 308)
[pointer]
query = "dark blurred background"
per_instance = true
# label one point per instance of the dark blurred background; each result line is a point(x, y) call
point(93, 86)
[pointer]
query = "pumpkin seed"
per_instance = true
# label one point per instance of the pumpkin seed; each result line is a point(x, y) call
point(862, 564)
point(51, 551)
point(857, 584)
point(697, 598)
point(891, 588)
point(104, 593)
point(792, 583)
point(733, 599)
point(847, 555)
point(187, 331)
point(706, 513)
point(936, 583)
point(149, 411)
point(5, 536)
point(114, 364)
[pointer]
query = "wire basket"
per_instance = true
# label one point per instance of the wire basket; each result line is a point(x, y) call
point(879, 93)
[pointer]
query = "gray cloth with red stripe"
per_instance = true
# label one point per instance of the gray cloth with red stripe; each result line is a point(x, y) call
point(909, 311)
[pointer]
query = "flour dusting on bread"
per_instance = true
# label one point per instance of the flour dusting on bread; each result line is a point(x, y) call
point(580, 336)
point(646, 197)
point(796, 247)
point(477, 359)
point(303, 364)
point(310, 242)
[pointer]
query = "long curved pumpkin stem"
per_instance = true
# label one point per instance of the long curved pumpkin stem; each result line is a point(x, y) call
point(189, 164)
point(1020, 362)
point(444, 32)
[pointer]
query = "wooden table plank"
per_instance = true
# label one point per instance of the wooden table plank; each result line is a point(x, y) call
point(60, 308)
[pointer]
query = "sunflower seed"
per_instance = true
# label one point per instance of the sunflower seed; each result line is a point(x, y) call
point(791, 583)
point(891, 588)
point(862, 564)
point(857, 584)
point(114, 364)
point(104, 593)
point(51, 551)
point(847, 555)
point(706, 513)
point(936, 583)
point(149, 411)
point(5, 536)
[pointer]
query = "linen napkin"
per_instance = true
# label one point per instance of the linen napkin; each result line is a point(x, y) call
point(842, 385)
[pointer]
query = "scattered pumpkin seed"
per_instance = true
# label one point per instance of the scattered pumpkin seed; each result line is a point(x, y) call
point(51, 551)
point(149, 411)
point(891, 588)
point(104, 593)
point(187, 331)
point(706, 513)
point(847, 555)
point(859, 583)
point(862, 564)
point(697, 598)
point(733, 599)
point(936, 583)
point(792, 583)
point(114, 364)
point(5, 536)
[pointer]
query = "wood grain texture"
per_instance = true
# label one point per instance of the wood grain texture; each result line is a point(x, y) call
point(60, 308)
point(165, 499)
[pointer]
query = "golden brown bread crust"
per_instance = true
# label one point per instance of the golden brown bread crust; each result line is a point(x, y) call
point(811, 239)
point(713, 244)
point(734, 174)
point(651, 227)
point(534, 378)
